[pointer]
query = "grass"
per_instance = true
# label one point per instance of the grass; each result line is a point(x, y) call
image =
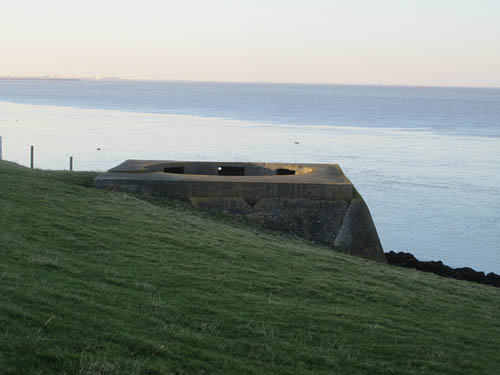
point(98, 282)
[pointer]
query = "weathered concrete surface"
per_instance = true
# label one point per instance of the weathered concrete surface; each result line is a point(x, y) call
point(313, 201)
point(358, 235)
point(201, 179)
point(315, 220)
point(236, 206)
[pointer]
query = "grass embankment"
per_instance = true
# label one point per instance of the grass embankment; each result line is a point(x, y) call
point(98, 282)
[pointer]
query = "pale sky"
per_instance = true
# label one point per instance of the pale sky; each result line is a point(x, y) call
point(401, 42)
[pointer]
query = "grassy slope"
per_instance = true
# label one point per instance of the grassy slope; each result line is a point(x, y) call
point(97, 282)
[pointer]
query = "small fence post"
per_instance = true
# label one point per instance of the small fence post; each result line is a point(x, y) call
point(71, 163)
point(32, 156)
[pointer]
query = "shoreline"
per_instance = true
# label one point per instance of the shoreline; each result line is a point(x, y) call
point(443, 188)
point(408, 260)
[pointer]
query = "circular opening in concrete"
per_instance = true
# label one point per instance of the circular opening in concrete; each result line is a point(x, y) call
point(229, 169)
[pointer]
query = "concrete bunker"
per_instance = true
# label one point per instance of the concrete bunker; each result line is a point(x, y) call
point(313, 201)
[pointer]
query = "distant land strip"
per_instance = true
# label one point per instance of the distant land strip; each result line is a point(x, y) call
point(38, 79)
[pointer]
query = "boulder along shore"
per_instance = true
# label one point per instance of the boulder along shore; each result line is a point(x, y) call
point(408, 260)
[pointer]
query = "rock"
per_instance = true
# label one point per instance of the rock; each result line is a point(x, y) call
point(434, 267)
point(408, 260)
point(401, 259)
point(468, 274)
point(492, 279)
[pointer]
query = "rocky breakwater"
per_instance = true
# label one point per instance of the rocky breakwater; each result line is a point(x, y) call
point(313, 201)
point(408, 260)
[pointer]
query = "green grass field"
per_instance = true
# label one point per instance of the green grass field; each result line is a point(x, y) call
point(98, 282)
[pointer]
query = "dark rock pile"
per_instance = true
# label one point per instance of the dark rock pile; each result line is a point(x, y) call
point(408, 260)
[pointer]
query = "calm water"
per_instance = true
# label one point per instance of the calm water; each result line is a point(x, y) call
point(466, 111)
point(427, 160)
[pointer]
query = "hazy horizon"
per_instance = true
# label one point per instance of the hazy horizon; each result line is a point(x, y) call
point(445, 43)
point(118, 79)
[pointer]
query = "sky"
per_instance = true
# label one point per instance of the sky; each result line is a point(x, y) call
point(392, 42)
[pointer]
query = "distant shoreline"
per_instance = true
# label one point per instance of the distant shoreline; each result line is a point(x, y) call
point(273, 83)
point(38, 79)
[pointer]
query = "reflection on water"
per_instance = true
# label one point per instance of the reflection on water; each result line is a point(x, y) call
point(434, 195)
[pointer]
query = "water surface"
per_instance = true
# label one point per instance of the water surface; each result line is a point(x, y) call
point(427, 160)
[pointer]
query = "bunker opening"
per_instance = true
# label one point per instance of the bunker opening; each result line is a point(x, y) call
point(176, 170)
point(284, 172)
point(231, 171)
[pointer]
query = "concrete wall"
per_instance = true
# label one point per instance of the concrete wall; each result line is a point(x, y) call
point(317, 202)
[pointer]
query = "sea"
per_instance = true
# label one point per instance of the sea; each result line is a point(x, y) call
point(426, 159)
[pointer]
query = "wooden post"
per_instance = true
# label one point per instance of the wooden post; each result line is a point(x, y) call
point(0, 148)
point(32, 157)
point(71, 163)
